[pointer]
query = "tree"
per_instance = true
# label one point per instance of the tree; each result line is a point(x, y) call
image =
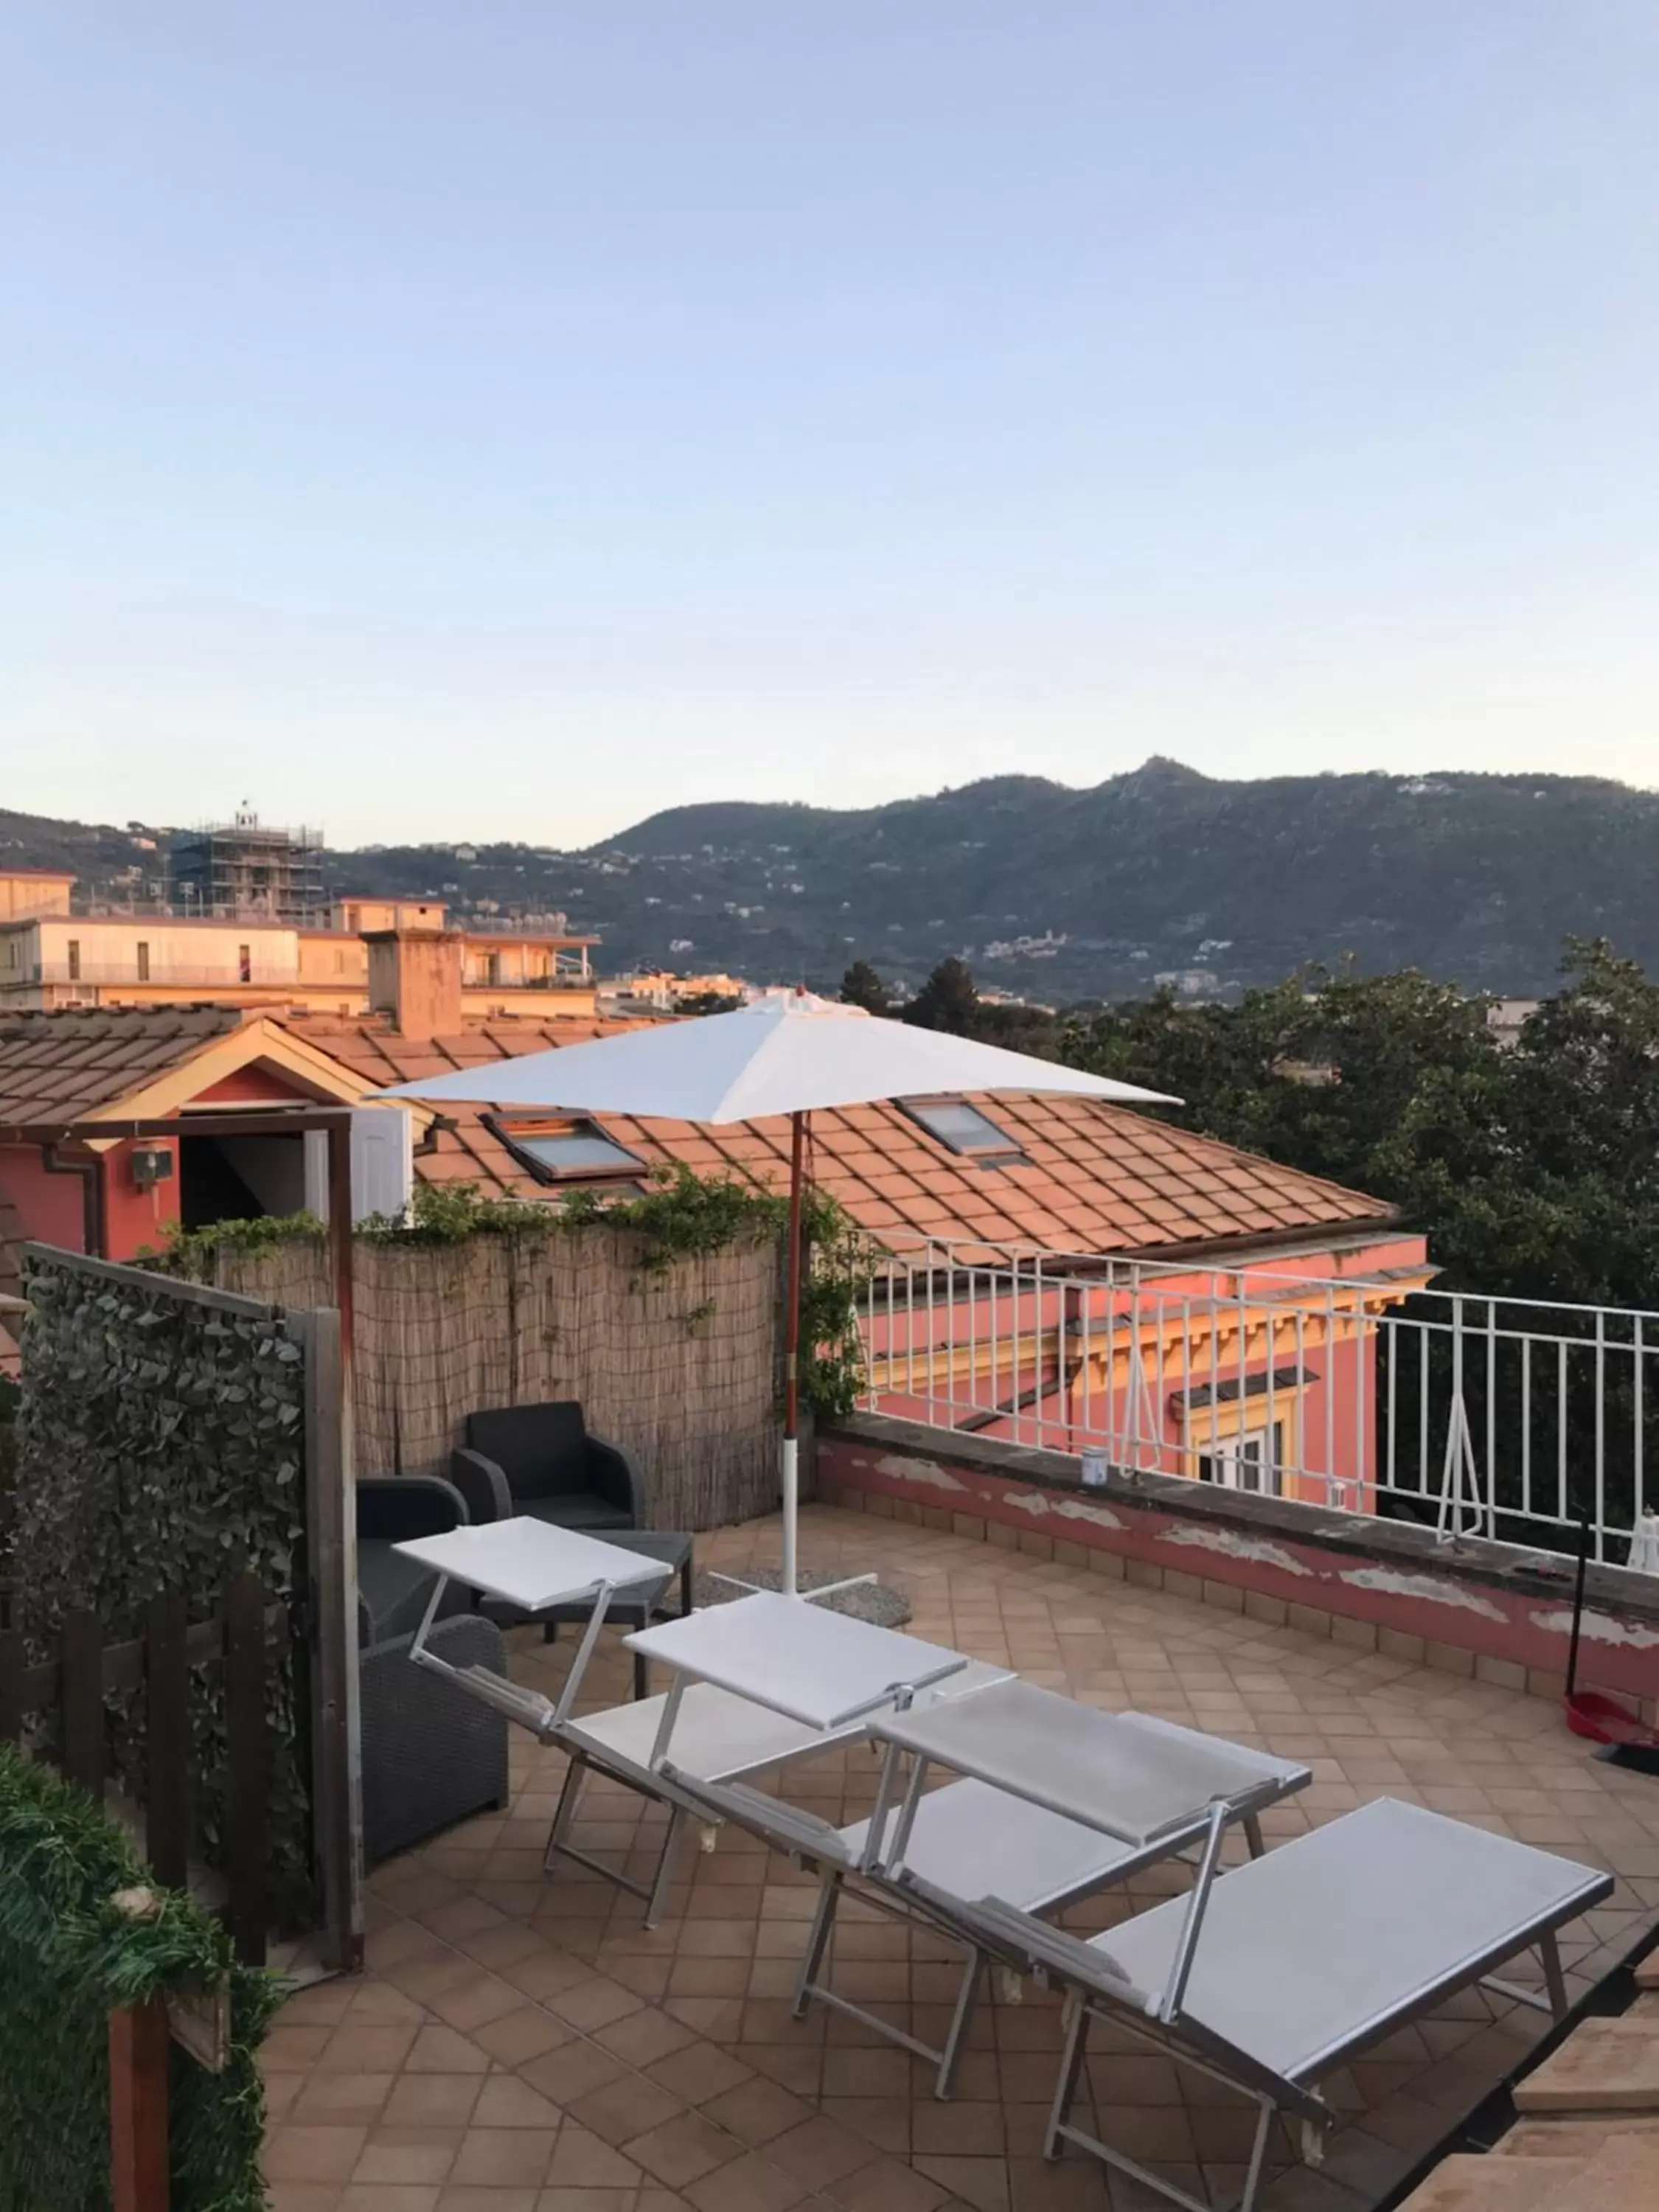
point(947, 1000)
point(862, 987)
point(1316, 1072)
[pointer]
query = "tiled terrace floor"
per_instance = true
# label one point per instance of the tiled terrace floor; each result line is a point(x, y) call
point(521, 2043)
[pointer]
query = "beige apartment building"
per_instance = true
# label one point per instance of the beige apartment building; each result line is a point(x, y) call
point(51, 955)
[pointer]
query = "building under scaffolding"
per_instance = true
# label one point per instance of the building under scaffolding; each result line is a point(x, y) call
point(239, 870)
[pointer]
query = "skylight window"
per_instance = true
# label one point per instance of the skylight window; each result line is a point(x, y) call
point(568, 1151)
point(964, 1129)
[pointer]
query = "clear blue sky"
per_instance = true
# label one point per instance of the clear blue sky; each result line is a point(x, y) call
point(501, 417)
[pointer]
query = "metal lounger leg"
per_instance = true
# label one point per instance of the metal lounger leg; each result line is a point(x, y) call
point(962, 2012)
point(1258, 2156)
point(823, 1921)
point(559, 1844)
point(1554, 1999)
point(565, 1811)
point(658, 1897)
point(1252, 1825)
point(1554, 1981)
point(1071, 2063)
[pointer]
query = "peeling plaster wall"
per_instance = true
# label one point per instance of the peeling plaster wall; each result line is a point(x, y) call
point(1469, 1623)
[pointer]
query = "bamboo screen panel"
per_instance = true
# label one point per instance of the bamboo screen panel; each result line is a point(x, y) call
point(680, 1366)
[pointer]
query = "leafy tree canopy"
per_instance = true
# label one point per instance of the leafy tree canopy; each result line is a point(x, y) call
point(1533, 1170)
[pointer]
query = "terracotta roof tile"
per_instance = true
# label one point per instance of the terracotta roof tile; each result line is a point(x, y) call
point(59, 1066)
point(1093, 1177)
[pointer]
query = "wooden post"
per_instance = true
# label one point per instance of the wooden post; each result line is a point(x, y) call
point(81, 1701)
point(247, 1808)
point(331, 1532)
point(11, 1686)
point(168, 1747)
point(138, 2108)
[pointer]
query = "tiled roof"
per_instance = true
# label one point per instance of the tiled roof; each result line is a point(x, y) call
point(56, 1067)
point(1094, 1177)
point(470, 1152)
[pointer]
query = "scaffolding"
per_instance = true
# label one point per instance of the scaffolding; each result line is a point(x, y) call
point(244, 870)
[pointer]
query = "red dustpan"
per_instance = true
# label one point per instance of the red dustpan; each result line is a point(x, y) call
point(1590, 1712)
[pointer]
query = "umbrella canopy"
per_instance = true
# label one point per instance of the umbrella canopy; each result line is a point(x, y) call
point(786, 1053)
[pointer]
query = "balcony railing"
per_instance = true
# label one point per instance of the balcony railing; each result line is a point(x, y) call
point(91, 973)
point(1499, 1417)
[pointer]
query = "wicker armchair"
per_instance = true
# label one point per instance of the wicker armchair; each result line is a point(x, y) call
point(432, 1755)
point(545, 1461)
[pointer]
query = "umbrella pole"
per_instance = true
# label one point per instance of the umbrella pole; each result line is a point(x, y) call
point(791, 1352)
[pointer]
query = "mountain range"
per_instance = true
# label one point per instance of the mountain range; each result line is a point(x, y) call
point(1056, 893)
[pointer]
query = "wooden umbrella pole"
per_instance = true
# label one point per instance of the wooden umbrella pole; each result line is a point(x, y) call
point(792, 1351)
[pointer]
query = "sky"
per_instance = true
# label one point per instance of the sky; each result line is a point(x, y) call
point(505, 419)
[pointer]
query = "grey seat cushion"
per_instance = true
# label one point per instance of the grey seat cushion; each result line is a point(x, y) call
point(578, 1508)
point(394, 1590)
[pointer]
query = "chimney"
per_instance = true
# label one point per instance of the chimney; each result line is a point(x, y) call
point(415, 976)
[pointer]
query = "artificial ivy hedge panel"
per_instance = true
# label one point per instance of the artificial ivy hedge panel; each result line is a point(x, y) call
point(161, 1446)
point(68, 1956)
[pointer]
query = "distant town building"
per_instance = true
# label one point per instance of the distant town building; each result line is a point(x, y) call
point(235, 870)
point(1506, 1018)
point(52, 955)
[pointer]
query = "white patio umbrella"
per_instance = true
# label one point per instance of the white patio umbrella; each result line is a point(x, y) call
point(786, 1053)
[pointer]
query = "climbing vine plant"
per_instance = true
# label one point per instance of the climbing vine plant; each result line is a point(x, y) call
point(680, 1216)
point(160, 1447)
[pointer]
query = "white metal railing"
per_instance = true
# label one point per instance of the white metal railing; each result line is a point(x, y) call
point(1479, 1415)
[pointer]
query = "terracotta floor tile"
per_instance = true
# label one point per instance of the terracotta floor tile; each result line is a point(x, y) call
point(749, 2184)
point(571, 2072)
point(471, 2004)
point(470, 1947)
point(590, 2200)
point(758, 2111)
point(504, 2157)
point(438, 2050)
point(413, 2154)
point(627, 2106)
point(684, 2149)
point(587, 2200)
point(313, 2154)
point(464, 2198)
point(390, 2197)
point(698, 2072)
point(645, 2036)
point(980, 2182)
point(819, 2152)
point(595, 2003)
point(517, 2036)
point(432, 2101)
point(332, 2099)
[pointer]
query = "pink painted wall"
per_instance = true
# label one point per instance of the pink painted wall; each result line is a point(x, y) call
point(1512, 1635)
point(253, 1085)
point(1330, 1419)
point(52, 1207)
point(135, 1218)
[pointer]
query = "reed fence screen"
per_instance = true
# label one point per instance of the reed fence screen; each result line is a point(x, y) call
point(681, 1364)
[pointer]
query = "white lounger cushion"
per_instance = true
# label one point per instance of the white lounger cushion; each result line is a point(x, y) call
point(722, 1737)
point(1127, 1774)
point(1304, 1954)
point(971, 1840)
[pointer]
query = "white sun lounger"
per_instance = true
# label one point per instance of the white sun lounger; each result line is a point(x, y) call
point(718, 1736)
point(973, 1836)
point(1271, 1975)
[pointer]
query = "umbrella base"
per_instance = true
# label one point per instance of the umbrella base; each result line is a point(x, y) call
point(864, 1601)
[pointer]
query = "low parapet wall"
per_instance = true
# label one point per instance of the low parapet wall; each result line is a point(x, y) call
point(1495, 1611)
